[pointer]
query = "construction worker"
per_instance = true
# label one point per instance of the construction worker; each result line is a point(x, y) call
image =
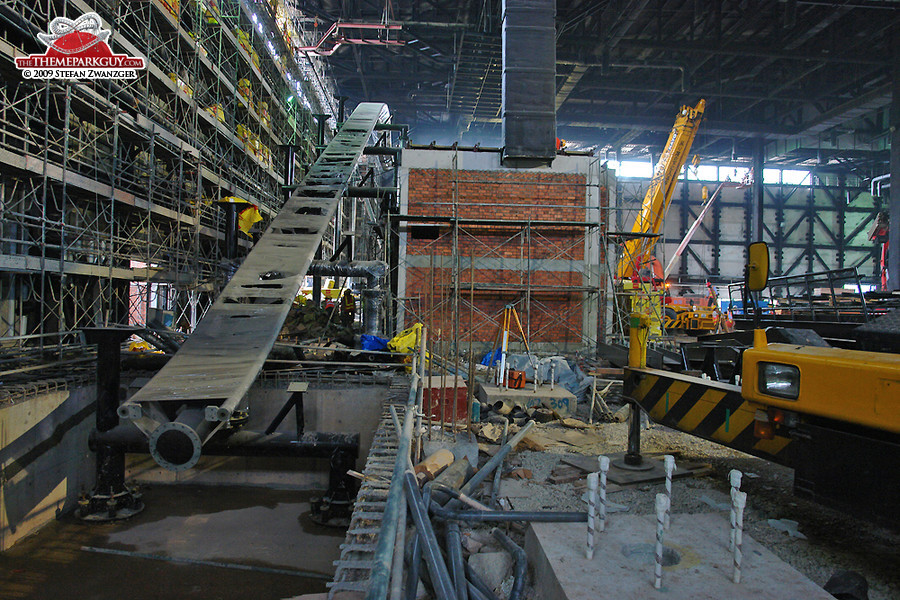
point(348, 308)
point(712, 298)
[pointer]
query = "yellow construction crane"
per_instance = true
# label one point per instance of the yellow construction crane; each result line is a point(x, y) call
point(637, 251)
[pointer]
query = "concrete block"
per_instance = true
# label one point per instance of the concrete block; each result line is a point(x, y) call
point(342, 408)
point(623, 562)
point(492, 567)
point(559, 399)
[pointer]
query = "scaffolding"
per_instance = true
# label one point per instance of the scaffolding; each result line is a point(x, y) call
point(109, 187)
point(467, 269)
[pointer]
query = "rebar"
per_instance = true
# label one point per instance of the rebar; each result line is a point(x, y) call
point(669, 462)
point(592, 480)
point(662, 506)
point(495, 488)
point(740, 501)
point(734, 479)
point(604, 469)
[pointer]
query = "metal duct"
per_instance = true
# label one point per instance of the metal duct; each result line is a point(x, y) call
point(529, 82)
point(373, 294)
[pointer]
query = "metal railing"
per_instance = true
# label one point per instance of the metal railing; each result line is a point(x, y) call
point(817, 296)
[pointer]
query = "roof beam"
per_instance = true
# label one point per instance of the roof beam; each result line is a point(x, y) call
point(733, 49)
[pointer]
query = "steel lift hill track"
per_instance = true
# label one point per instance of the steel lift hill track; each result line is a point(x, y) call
point(196, 393)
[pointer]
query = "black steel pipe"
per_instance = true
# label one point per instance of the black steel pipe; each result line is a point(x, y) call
point(503, 516)
point(475, 593)
point(356, 191)
point(633, 456)
point(313, 444)
point(479, 584)
point(437, 568)
point(317, 280)
point(495, 488)
point(342, 105)
point(412, 572)
point(391, 127)
point(110, 460)
point(231, 229)
point(455, 557)
point(521, 563)
point(111, 498)
point(374, 271)
point(321, 120)
point(381, 151)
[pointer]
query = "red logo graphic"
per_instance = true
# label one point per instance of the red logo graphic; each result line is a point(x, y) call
point(78, 44)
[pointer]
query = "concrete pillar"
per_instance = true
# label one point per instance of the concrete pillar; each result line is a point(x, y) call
point(894, 206)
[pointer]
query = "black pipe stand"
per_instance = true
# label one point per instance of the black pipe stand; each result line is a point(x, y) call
point(633, 461)
point(111, 498)
point(336, 507)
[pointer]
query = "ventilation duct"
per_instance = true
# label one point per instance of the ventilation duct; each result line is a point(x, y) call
point(529, 82)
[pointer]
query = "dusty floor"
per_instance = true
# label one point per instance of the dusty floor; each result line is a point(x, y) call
point(833, 540)
point(190, 542)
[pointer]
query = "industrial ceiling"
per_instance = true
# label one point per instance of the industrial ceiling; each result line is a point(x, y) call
point(813, 79)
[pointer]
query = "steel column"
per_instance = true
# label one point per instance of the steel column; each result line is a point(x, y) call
point(111, 498)
point(893, 263)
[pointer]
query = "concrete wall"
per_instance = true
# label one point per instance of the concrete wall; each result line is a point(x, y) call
point(45, 461)
point(336, 409)
point(544, 270)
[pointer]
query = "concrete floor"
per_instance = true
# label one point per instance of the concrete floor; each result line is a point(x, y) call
point(190, 542)
point(624, 559)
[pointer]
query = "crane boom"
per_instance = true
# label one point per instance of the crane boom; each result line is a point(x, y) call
point(659, 194)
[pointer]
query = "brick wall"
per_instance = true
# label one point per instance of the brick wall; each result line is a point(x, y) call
point(501, 252)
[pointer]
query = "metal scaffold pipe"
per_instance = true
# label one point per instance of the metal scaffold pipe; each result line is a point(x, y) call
point(384, 552)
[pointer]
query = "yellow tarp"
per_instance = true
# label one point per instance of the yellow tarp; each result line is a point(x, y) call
point(407, 340)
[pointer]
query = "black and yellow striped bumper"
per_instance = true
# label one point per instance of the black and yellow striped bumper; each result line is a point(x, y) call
point(711, 410)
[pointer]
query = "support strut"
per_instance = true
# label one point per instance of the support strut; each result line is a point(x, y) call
point(111, 498)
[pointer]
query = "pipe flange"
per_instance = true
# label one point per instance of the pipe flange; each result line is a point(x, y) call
point(175, 446)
